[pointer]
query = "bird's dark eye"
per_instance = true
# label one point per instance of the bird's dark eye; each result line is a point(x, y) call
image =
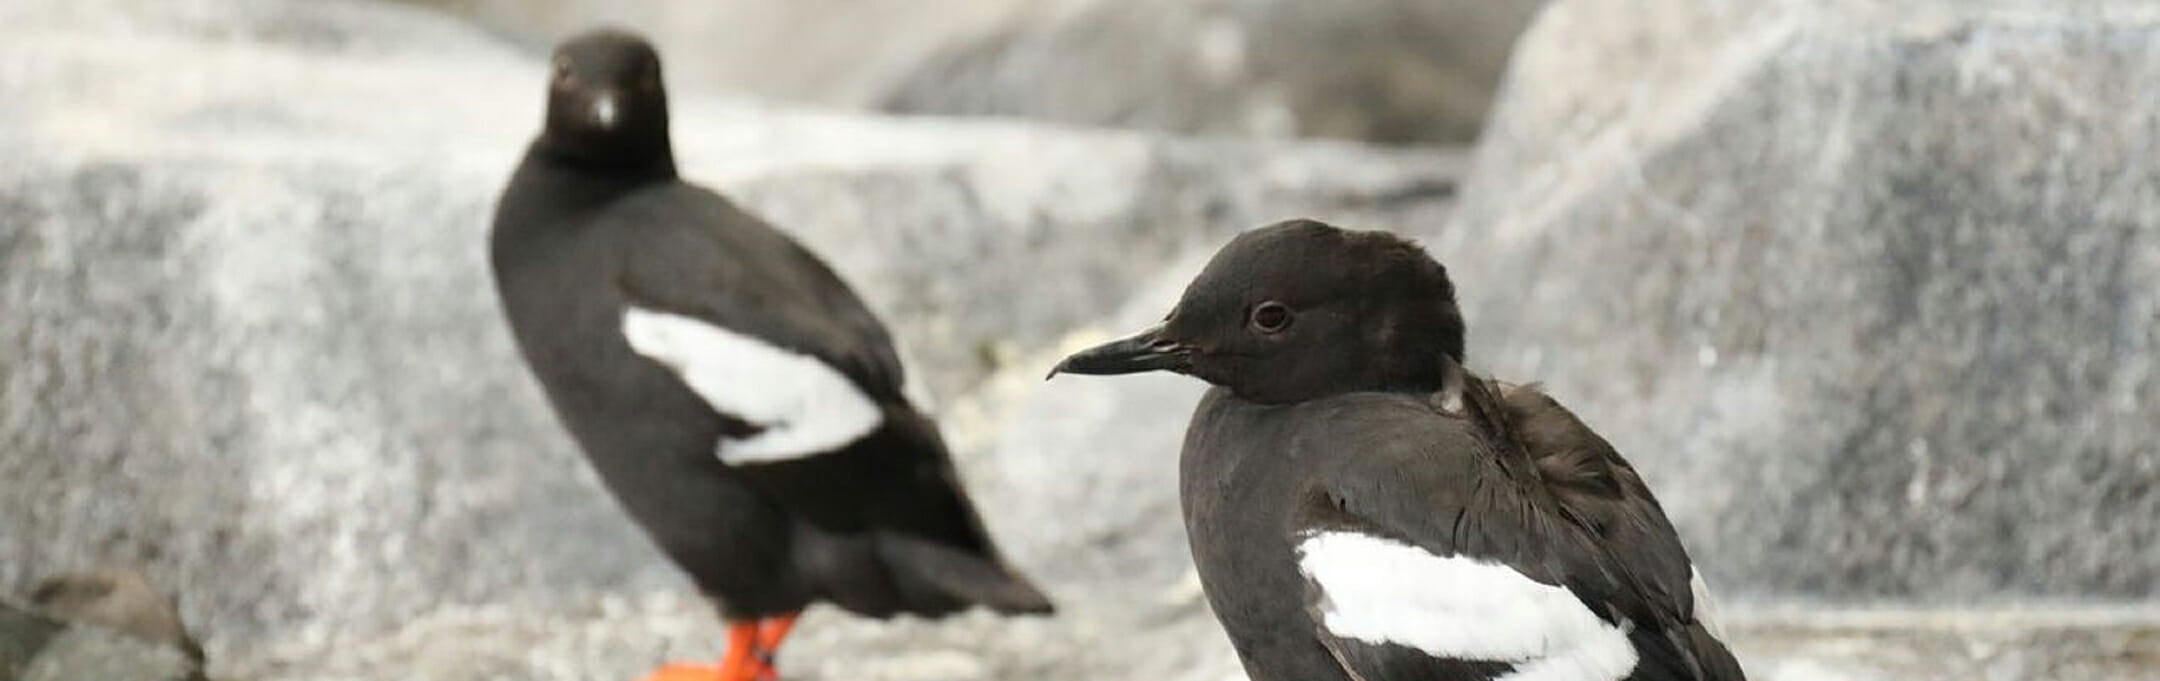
point(562, 76)
point(1270, 317)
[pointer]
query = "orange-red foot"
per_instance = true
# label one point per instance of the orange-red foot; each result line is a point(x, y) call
point(688, 672)
point(771, 633)
point(750, 651)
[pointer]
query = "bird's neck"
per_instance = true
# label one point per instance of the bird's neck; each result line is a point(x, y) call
point(632, 161)
point(567, 180)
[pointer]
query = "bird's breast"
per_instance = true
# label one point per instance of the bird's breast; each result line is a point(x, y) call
point(1238, 492)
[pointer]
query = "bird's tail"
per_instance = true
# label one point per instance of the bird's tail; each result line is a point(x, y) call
point(930, 574)
point(1713, 660)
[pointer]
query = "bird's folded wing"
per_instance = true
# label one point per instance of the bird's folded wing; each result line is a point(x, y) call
point(801, 405)
point(759, 283)
point(1426, 562)
point(778, 343)
point(1602, 497)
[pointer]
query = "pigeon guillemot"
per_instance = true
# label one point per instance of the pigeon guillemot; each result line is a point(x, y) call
point(736, 397)
point(1362, 507)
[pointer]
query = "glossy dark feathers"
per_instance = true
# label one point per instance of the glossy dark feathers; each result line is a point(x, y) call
point(1369, 291)
point(1358, 415)
point(594, 221)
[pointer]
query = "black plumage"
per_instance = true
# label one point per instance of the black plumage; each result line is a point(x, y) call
point(596, 223)
point(1342, 421)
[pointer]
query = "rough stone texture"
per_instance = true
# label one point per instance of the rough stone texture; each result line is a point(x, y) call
point(833, 52)
point(1395, 71)
point(23, 633)
point(1379, 70)
point(251, 343)
point(34, 647)
point(118, 599)
point(1869, 289)
point(2087, 644)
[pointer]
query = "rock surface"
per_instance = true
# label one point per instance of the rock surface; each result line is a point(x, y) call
point(2087, 644)
point(1395, 71)
point(1869, 289)
point(830, 52)
point(34, 647)
point(121, 600)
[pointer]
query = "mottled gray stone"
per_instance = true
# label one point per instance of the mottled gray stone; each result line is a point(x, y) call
point(1397, 71)
point(34, 647)
point(1870, 290)
point(2083, 643)
point(841, 53)
point(121, 600)
point(1378, 70)
point(23, 633)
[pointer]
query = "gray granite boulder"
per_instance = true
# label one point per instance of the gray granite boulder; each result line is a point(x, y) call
point(122, 600)
point(37, 647)
point(1378, 70)
point(1395, 71)
point(843, 54)
point(1869, 289)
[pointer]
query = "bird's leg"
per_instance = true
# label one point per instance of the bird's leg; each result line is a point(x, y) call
point(736, 665)
point(770, 633)
point(742, 653)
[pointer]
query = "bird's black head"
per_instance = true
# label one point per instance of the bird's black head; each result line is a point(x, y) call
point(1300, 310)
point(606, 104)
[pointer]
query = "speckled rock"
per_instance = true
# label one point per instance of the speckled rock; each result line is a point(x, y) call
point(118, 599)
point(1396, 71)
point(2083, 643)
point(1378, 70)
point(836, 54)
point(1869, 289)
point(35, 647)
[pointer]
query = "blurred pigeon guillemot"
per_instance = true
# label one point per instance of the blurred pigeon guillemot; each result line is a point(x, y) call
point(1362, 507)
point(738, 399)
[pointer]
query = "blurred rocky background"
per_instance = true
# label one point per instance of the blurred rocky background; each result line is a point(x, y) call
point(1391, 71)
point(1869, 289)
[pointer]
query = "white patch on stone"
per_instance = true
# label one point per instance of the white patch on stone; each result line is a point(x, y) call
point(805, 406)
point(1456, 607)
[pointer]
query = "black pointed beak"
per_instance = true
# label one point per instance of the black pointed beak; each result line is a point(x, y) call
point(1149, 350)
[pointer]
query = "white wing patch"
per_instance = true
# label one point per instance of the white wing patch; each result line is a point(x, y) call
point(805, 406)
point(1456, 607)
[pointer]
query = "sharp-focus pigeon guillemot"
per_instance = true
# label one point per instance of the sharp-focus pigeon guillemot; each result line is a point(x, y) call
point(1362, 507)
point(737, 398)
